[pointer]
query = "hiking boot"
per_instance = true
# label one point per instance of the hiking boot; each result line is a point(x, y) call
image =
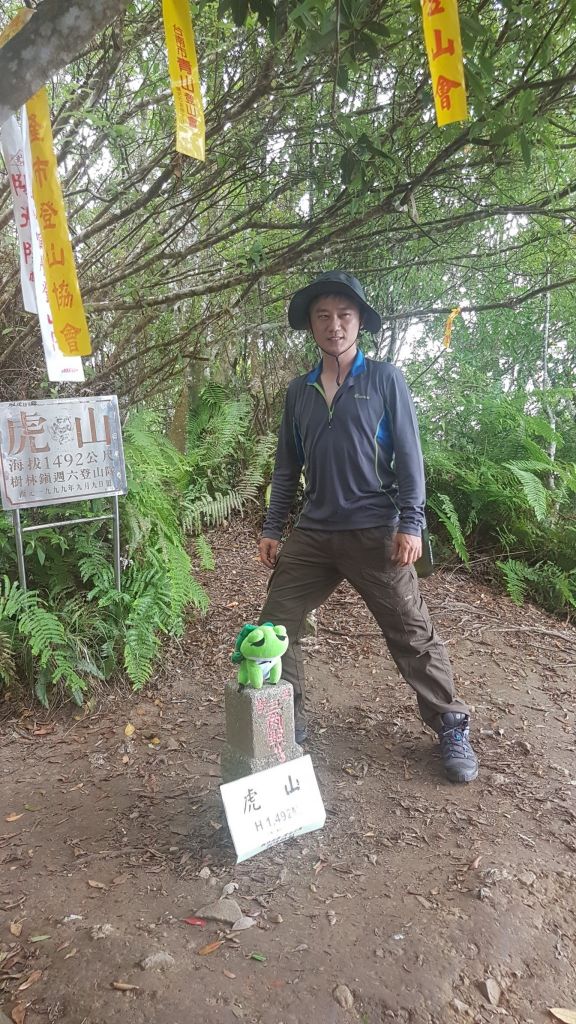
point(301, 732)
point(300, 726)
point(460, 761)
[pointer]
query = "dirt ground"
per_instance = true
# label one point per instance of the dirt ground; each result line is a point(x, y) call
point(431, 903)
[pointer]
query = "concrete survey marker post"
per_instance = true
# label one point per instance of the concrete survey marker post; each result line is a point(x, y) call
point(259, 729)
point(271, 806)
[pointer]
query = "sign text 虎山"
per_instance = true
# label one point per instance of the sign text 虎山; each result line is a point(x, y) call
point(60, 450)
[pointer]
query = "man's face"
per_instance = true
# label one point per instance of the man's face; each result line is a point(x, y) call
point(335, 323)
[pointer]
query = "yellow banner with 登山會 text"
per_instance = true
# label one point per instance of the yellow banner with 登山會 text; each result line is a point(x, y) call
point(444, 49)
point(63, 292)
point(184, 78)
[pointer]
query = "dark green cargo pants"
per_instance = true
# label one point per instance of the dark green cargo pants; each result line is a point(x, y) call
point(310, 566)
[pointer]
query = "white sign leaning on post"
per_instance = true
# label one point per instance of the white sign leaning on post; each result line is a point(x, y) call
point(266, 808)
point(60, 450)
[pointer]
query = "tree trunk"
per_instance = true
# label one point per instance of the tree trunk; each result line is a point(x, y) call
point(54, 36)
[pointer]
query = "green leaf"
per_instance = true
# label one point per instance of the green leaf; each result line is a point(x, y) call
point(527, 104)
point(239, 10)
point(363, 42)
point(349, 164)
point(526, 149)
point(503, 133)
point(343, 77)
point(475, 82)
point(40, 690)
point(487, 67)
point(377, 29)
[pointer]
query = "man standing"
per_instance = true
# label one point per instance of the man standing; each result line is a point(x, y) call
point(350, 426)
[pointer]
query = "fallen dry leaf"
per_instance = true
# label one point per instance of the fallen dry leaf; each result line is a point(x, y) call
point(242, 923)
point(31, 980)
point(96, 885)
point(129, 729)
point(18, 1013)
point(491, 991)
point(210, 948)
point(560, 1013)
point(424, 902)
point(14, 816)
point(16, 928)
point(43, 730)
point(124, 986)
point(72, 952)
point(228, 974)
point(343, 996)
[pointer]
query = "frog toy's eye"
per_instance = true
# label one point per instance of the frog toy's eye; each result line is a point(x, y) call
point(280, 632)
point(257, 638)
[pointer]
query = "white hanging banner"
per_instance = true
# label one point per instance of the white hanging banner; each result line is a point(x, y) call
point(13, 153)
point(60, 367)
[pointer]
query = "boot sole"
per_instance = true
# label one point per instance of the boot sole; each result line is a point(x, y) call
point(463, 778)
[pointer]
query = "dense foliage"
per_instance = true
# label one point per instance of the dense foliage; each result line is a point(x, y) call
point(73, 627)
point(322, 150)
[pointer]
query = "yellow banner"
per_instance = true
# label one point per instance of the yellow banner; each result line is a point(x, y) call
point(184, 78)
point(444, 49)
point(69, 321)
point(18, 22)
point(449, 325)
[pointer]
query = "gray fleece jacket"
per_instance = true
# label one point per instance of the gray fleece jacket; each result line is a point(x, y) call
point(361, 457)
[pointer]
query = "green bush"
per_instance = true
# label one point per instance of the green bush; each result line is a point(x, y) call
point(494, 487)
point(73, 628)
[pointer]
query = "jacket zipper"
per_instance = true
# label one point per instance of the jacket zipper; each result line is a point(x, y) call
point(329, 407)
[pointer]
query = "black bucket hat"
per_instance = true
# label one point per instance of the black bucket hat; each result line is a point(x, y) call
point(334, 282)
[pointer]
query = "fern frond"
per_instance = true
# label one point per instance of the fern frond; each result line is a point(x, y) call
point(12, 599)
point(43, 630)
point(534, 490)
point(517, 576)
point(211, 511)
point(204, 552)
point(444, 509)
point(141, 641)
point(8, 671)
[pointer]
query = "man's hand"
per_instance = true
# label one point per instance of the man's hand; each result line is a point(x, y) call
point(268, 548)
point(406, 549)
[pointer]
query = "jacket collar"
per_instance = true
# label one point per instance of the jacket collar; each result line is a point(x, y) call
point(358, 367)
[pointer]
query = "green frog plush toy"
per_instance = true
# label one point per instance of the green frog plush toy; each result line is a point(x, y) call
point(258, 653)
